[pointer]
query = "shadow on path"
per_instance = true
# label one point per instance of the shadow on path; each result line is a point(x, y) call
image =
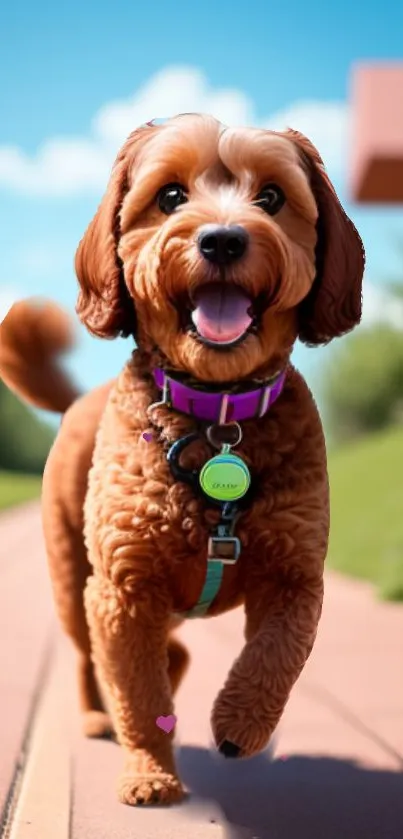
point(296, 798)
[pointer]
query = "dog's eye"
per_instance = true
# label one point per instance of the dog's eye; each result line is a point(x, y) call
point(271, 199)
point(170, 197)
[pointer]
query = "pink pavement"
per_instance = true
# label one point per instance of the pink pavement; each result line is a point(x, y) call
point(334, 769)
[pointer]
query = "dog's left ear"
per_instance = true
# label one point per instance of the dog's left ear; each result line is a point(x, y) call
point(104, 305)
point(333, 305)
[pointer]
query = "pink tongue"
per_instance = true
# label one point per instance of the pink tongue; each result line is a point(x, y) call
point(221, 313)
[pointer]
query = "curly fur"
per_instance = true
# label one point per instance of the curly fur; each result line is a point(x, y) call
point(126, 543)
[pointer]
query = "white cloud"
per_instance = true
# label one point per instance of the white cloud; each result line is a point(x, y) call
point(61, 167)
point(8, 296)
point(381, 306)
point(325, 123)
point(171, 91)
point(70, 166)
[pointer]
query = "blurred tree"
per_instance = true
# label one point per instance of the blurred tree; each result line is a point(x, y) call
point(362, 386)
point(24, 439)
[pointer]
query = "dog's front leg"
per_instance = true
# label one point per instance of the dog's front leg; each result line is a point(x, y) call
point(129, 645)
point(281, 624)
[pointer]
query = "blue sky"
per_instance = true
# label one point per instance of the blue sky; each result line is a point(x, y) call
point(76, 79)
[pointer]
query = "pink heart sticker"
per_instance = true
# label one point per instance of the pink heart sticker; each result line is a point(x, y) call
point(166, 724)
point(147, 436)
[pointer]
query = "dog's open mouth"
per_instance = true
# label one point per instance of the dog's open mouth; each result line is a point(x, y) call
point(222, 314)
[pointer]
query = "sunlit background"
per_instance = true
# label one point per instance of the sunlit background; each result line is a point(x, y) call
point(76, 79)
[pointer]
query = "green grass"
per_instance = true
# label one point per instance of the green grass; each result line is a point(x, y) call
point(366, 491)
point(16, 488)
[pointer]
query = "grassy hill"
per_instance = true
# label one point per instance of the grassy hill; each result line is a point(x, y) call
point(25, 440)
point(366, 485)
point(16, 488)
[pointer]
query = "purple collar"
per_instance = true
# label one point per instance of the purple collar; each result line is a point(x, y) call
point(219, 407)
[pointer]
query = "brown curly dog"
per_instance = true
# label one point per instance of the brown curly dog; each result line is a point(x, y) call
point(216, 249)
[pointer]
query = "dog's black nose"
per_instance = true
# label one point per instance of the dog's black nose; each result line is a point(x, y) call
point(222, 245)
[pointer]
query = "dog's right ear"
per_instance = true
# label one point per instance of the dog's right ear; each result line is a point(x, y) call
point(104, 305)
point(333, 305)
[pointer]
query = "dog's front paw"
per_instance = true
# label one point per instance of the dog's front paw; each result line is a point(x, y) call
point(238, 733)
point(159, 788)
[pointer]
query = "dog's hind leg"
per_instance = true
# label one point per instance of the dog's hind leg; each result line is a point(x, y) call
point(63, 494)
point(69, 570)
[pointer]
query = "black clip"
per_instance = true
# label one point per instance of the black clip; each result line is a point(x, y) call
point(187, 476)
point(191, 476)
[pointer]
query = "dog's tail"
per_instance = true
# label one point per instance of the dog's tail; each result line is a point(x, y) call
point(33, 335)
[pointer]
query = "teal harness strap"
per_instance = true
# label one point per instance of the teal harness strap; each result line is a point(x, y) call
point(212, 585)
point(223, 549)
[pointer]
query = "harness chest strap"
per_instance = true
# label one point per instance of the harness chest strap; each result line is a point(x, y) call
point(223, 547)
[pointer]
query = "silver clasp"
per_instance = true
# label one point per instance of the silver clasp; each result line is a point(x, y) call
point(225, 549)
point(166, 396)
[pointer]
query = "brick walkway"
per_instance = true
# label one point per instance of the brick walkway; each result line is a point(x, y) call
point(334, 770)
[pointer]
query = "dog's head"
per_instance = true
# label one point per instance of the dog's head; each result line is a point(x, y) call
point(220, 247)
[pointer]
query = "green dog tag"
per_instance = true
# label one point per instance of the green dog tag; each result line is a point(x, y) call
point(225, 477)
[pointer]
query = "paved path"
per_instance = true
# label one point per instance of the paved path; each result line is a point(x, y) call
point(334, 769)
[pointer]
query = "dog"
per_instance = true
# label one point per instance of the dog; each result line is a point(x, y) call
point(215, 248)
